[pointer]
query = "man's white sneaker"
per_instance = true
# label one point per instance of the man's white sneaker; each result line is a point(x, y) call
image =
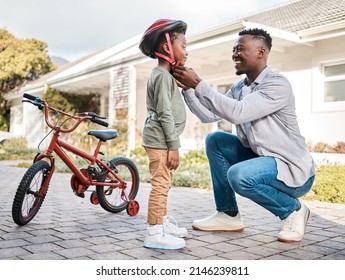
point(220, 221)
point(294, 225)
point(172, 227)
point(157, 238)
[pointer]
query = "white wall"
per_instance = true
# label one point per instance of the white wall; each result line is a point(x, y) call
point(300, 65)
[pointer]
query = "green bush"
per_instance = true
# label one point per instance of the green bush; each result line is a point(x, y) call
point(16, 148)
point(193, 175)
point(194, 157)
point(139, 156)
point(193, 170)
point(329, 185)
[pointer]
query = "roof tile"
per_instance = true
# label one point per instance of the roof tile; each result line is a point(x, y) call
point(301, 14)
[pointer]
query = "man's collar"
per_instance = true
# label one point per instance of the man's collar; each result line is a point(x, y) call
point(260, 77)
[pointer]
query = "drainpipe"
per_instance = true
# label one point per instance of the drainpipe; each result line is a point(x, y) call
point(111, 105)
point(132, 91)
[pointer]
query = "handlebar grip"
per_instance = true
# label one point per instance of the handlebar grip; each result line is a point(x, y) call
point(103, 123)
point(29, 96)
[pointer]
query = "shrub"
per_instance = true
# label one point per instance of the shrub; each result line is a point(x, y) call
point(339, 147)
point(321, 147)
point(194, 157)
point(329, 184)
point(15, 148)
point(194, 176)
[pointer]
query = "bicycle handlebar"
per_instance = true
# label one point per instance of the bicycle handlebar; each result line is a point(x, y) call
point(92, 114)
point(103, 123)
point(29, 96)
point(89, 116)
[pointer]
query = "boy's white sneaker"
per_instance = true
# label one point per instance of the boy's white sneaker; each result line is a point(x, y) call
point(171, 227)
point(294, 225)
point(157, 238)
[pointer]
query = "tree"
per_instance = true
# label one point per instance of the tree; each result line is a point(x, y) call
point(21, 60)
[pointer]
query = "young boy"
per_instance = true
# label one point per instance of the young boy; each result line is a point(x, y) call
point(164, 39)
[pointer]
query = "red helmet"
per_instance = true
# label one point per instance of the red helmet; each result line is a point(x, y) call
point(161, 26)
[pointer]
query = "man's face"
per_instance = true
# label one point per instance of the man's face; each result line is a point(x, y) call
point(246, 53)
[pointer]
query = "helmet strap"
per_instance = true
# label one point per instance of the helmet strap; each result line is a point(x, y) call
point(170, 59)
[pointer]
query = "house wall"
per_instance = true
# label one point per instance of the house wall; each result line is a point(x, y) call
point(26, 121)
point(127, 88)
point(33, 125)
point(301, 65)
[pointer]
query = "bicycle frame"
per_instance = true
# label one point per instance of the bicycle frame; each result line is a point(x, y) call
point(58, 145)
point(106, 175)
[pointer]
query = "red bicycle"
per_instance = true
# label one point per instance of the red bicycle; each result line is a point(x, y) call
point(116, 181)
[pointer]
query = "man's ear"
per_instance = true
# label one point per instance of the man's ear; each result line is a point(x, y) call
point(262, 52)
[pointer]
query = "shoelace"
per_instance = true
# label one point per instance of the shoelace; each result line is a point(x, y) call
point(165, 232)
point(167, 221)
point(172, 225)
point(288, 224)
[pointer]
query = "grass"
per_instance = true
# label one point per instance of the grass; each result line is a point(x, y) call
point(329, 185)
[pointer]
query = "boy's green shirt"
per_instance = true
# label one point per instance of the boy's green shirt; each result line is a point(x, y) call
point(166, 112)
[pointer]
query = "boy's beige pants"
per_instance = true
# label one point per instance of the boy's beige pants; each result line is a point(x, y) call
point(161, 179)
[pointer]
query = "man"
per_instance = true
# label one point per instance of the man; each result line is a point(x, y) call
point(268, 160)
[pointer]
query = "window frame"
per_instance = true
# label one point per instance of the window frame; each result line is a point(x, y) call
point(318, 90)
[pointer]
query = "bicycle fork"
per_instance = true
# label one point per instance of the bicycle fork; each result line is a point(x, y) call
point(46, 181)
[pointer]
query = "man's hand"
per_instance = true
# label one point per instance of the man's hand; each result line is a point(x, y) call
point(179, 84)
point(187, 77)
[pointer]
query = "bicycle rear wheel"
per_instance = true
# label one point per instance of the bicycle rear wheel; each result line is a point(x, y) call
point(113, 199)
point(27, 202)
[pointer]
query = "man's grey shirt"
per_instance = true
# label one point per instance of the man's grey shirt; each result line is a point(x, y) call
point(265, 119)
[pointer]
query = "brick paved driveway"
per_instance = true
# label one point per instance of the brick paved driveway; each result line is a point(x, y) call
point(69, 227)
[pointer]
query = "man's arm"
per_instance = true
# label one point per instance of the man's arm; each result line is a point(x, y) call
point(188, 80)
point(194, 105)
point(273, 95)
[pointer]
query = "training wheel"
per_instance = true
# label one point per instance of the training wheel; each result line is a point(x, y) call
point(133, 208)
point(94, 199)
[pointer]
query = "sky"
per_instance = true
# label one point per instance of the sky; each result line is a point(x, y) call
point(75, 28)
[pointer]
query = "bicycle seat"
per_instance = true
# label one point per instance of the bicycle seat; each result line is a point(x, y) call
point(104, 135)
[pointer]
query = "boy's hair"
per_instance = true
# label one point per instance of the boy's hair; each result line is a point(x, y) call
point(258, 34)
point(162, 39)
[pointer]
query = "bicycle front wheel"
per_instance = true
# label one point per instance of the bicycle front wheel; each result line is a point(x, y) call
point(27, 200)
point(113, 199)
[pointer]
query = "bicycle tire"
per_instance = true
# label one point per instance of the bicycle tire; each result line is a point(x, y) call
point(26, 203)
point(111, 199)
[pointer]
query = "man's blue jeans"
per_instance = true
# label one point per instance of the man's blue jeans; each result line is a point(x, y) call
point(236, 169)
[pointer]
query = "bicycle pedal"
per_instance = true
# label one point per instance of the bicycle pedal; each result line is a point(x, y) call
point(82, 195)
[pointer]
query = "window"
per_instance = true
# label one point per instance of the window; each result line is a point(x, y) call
point(334, 90)
point(329, 86)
